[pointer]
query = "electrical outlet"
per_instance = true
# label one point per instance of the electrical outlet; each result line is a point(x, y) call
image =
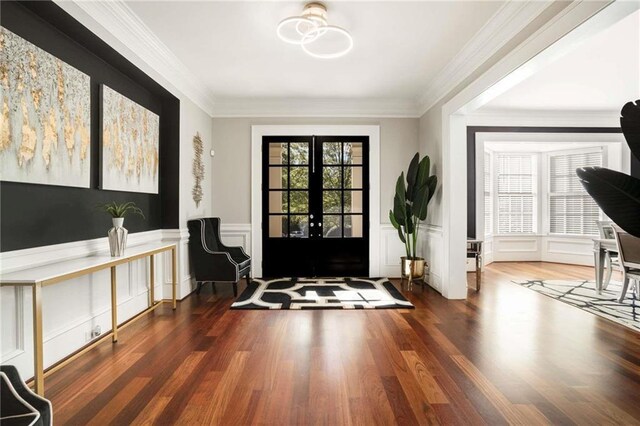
point(96, 332)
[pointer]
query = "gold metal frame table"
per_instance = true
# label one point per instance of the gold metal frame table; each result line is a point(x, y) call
point(42, 276)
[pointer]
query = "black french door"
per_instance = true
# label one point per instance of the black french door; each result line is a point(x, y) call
point(315, 206)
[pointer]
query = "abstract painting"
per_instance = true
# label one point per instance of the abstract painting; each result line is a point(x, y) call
point(45, 117)
point(130, 144)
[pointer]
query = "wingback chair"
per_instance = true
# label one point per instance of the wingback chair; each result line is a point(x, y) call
point(19, 405)
point(211, 260)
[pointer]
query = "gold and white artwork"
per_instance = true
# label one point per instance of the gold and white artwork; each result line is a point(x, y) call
point(45, 121)
point(130, 144)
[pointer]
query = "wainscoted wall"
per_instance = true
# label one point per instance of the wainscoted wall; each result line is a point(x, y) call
point(236, 234)
point(541, 248)
point(391, 248)
point(433, 250)
point(72, 309)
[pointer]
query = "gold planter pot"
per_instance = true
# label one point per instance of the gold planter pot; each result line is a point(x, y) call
point(413, 268)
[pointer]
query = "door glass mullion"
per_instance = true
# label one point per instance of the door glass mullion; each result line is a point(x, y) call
point(289, 192)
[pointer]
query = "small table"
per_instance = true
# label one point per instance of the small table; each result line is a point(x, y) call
point(600, 248)
point(42, 276)
point(474, 249)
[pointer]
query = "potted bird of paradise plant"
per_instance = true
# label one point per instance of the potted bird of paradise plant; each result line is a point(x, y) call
point(410, 203)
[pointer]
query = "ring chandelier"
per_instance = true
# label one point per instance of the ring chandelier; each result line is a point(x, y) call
point(313, 33)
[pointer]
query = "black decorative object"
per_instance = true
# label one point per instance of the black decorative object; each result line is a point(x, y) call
point(617, 194)
point(321, 293)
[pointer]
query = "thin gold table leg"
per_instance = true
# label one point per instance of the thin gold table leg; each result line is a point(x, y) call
point(152, 282)
point(38, 364)
point(174, 274)
point(114, 306)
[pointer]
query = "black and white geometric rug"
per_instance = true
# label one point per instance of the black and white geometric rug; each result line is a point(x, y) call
point(326, 293)
point(583, 295)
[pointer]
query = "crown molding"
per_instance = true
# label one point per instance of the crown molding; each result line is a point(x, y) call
point(544, 118)
point(307, 107)
point(116, 23)
point(505, 24)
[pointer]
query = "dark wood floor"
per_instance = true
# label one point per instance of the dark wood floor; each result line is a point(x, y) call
point(506, 355)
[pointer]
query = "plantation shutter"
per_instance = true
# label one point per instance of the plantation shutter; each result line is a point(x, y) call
point(488, 202)
point(516, 197)
point(571, 209)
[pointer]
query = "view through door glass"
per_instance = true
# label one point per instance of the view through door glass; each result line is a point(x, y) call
point(315, 206)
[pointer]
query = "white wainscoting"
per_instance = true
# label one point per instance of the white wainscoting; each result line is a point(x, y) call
point(236, 234)
point(432, 248)
point(542, 248)
point(391, 248)
point(73, 308)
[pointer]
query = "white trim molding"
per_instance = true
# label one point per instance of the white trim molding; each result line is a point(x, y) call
point(304, 107)
point(118, 25)
point(372, 131)
point(508, 21)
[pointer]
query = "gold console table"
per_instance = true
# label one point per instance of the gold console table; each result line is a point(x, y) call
point(46, 275)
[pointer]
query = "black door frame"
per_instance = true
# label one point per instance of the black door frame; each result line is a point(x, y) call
point(343, 256)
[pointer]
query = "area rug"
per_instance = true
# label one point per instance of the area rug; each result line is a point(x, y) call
point(327, 293)
point(583, 295)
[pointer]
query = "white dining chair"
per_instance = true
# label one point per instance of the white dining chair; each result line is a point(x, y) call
point(611, 259)
point(629, 258)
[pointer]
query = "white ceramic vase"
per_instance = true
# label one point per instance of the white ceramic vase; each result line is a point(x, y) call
point(117, 237)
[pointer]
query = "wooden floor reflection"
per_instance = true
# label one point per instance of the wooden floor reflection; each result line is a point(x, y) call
point(505, 355)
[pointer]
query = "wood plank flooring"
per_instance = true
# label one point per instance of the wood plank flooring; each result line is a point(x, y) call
point(506, 355)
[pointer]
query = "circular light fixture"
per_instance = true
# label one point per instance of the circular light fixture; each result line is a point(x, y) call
point(293, 30)
point(312, 32)
point(317, 51)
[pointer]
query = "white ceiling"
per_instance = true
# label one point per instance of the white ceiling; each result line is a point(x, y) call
point(399, 47)
point(601, 75)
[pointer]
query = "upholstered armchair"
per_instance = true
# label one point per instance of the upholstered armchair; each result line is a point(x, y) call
point(19, 405)
point(211, 260)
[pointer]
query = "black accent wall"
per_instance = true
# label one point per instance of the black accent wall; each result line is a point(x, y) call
point(34, 215)
point(471, 158)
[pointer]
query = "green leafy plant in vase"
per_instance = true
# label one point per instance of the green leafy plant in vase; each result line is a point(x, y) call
point(118, 234)
point(410, 204)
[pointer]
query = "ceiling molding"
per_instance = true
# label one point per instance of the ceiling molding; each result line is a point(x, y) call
point(303, 107)
point(117, 18)
point(543, 118)
point(505, 24)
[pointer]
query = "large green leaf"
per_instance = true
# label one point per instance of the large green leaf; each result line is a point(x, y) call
point(401, 235)
point(412, 174)
point(617, 194)
point(393, 220)
point(399, 211)
point(630, 123)
point(409, 226)
point(421, 202)
point(432, 183)
point(423, 171)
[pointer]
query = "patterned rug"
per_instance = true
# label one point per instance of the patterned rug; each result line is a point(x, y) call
point(327, 293)
point(583, 295)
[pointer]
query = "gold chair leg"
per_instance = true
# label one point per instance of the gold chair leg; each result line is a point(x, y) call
point(174, 273)
point(152, 281)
